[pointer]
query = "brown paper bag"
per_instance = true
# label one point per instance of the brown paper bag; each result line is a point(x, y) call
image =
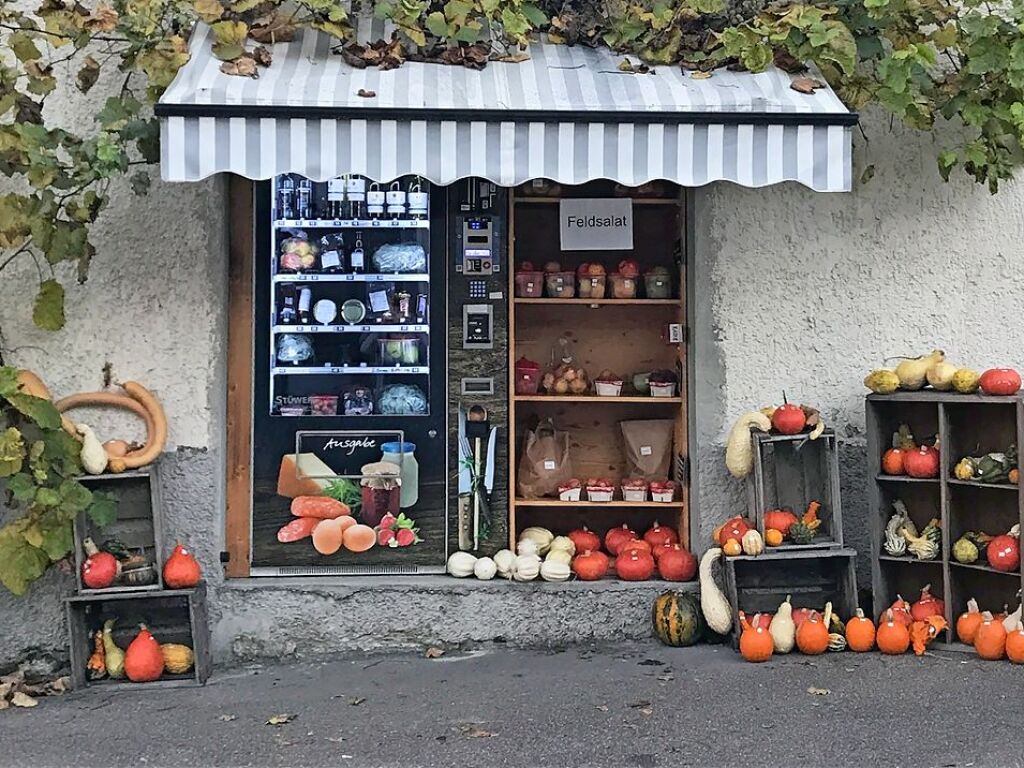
point(648, 447)
point(545, 463)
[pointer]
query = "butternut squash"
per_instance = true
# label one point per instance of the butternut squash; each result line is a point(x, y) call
point(739, 452)
point(713, 604)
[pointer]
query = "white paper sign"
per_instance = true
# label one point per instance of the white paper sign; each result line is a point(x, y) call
point(596, 224)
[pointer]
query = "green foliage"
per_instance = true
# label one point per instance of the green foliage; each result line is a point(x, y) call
point(919, 59)
point(39, 464)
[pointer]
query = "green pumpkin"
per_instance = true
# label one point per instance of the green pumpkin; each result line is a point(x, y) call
point(677, 619)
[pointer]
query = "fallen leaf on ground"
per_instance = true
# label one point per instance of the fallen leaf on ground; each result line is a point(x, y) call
point(226, 718)
point(60, 685)
point(281, 719)
point(366, 94)
point(806, 85)
point(434, 653)
point(244, 66)
point(471, 731)
point(4, 704)
point(646, 711)
point(334, 739)
point(667, 678)
point(355, 701)
point(601, 707)
point(818, 691)
point(651, 663)
point(20, 699)
point(640, 704)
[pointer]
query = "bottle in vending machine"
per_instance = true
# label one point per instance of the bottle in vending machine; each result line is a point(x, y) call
point(304, 199)
point(305, 302)
point(288, 311)
point(357, 257)
point(286, 198)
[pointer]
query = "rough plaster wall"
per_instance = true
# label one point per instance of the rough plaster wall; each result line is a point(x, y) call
point(806, 292)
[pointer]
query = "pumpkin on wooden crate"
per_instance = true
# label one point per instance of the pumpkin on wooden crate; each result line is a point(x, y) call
point(143, 660)
point(677, 619)
point(181, 571)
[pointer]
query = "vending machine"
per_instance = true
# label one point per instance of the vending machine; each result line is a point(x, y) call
point(350, 392)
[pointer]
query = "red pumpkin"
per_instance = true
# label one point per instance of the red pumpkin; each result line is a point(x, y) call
point(1000, 381)
point(143, 660)
point(676, 563)
point(585, 539)
point(892, 461)
point(100, 569)
point(789, 419)
point(1003, 552)
point(922, 462)
point(780, 520)
point(760, 620)
point(634, 566)
point(658, 534)
point(928, 605)
point(900, 613)
point(616, 537)
point(638, 545)
point(800, 615)
point(591, 565)
point(734, 528)
point(181, 571)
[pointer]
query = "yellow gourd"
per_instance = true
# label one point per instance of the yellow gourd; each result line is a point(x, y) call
point(913, 372)
point(114, 655)
point(178, 659)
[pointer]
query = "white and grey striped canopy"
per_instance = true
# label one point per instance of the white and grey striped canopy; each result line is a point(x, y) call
point(567, 114)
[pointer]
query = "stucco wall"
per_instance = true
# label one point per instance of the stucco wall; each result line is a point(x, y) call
point(796, 291)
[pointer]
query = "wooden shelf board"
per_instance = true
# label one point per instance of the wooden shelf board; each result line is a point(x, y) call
point(636, 200)
point(595, 399)
point(931, 396)
point(602, 302)
point(905, 479)
point(983, 568)
point(908, 560)
point(595, 504)
point(976, 484)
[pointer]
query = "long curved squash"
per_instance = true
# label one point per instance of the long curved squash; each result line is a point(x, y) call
point(157, 439)
point(156, 436)
point(30, 384)
point(739, 452)
point(713, 604)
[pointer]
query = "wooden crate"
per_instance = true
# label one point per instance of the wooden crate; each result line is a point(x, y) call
point(812, 577)
point(173, 616)
point(137, 525)
point(965, 425)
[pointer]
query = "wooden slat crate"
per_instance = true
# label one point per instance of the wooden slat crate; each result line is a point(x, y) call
point(812, 577)
point(137, 526)
point(173, 616)
point(792, 471)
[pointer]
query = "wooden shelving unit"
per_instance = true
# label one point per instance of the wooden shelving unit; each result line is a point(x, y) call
point(966, 425)
point(623, 335)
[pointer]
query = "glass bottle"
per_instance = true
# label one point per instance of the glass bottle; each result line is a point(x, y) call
point(305, 301)
point(304, 199)
point(404, 456)
point(287, 313)
point(286, 198)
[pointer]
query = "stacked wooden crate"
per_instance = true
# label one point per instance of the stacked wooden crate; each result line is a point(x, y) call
point(172, 615)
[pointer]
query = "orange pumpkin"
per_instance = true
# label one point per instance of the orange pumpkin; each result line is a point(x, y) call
point(1015, 645)
point(756, 643)
point(860, 633)
point(892, 462)
point(812, 636)
point(773, 537)
point(968, 623)
point(990, 639)
point(143, 659)
point(732, 548)
point(892, 636)
point(780, 520)
point(181, 571)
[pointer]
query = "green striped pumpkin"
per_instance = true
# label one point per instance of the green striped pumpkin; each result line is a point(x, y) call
point(677, 619)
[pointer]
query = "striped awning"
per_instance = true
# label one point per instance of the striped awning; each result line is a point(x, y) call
point(566, 113)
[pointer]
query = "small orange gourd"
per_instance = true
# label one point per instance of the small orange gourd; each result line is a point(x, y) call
point(968, 623)
point(860, 633)
point(1015, 644)
point(892, 636)
point(812, 636)
point(756, 643)
point(773, 537)
point(990, 639)
point(732, 548)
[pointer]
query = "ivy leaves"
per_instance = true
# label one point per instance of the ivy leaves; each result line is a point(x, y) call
point(39, 463)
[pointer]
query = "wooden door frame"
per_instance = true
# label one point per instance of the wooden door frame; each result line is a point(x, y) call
point(238, 488)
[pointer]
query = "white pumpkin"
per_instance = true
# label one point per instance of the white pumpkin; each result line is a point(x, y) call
point(528, 548)
point(484, 569)
point(552, 570)
point(461, 564)
point(542, 537)
point(562, 544)
point(752, 543)
point(558, 556)
point(527, 568)
point(505, 560)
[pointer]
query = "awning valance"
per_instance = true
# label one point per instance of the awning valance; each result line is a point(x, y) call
point(567, 114)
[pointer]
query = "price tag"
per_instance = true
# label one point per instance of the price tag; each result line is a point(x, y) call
point(396, 222)
point(376, 222)
point(350, 278)
point(313, 278)
point(549, 464)
point(646, 450)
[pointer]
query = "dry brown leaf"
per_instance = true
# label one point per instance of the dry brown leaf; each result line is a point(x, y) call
point(788, 63)
point(20, 699)
point(601, 707)
point(818, 691)
point(273, 28)
point(365, 93)
point(226, 718)
point(516, 58)
point(243, 66)
point(355, 701)
point(281, 719)
point(261, 54)
point(700, 74)
point(806, 85)
point(434, 653)
point(473, 731)
point(102, 19)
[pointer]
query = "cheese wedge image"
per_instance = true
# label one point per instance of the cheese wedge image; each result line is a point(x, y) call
point(303, 474)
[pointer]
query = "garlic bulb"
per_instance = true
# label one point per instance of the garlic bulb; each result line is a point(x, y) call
point(461, 564)
point(542, 537)
point(528, 547)
point(558, 556)
point(484, 569)
point(527, 568)
point(505, 560)
point(563, 544)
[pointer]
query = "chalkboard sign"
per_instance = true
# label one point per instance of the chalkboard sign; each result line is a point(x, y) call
point(344, 452)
